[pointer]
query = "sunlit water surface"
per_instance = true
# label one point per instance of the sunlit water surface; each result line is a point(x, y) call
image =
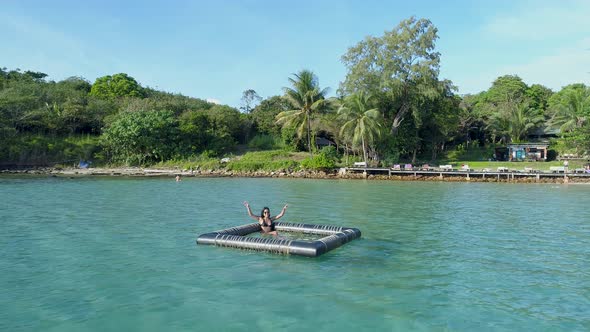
point(119, 254)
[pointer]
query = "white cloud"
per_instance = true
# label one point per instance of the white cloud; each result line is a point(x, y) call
point(213, 101)
point(562, 67)
point(539, 20)
point(554, 70)
point(543, 42)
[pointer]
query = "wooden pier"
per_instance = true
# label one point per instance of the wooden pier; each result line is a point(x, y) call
point(502, 175)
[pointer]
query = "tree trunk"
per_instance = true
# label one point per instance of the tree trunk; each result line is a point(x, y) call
point(346, 153)
point(399, 117)
point(309, 136)
point(434, 150)
point(364, 150)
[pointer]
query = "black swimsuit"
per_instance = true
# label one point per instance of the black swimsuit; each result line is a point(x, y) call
point(272, 225)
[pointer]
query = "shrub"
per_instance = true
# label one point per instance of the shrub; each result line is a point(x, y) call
point(48, 150)
point(264, 156)
point(274, 160)
point(204, 161)
point(263, 142)
point(245, 166)
point(331, 153)
point(143, 137)
point(318, 162)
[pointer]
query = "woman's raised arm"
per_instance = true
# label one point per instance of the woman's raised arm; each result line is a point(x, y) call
point(253, 216)
point(278, 216)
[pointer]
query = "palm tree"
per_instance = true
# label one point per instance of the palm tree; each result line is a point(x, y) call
point(306, 97)
point(522, 120)
point(573, 111)
point(362, 123)
point(498, 125)
point(512, 121)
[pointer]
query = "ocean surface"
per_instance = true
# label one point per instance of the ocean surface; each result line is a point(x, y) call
point(119, 254)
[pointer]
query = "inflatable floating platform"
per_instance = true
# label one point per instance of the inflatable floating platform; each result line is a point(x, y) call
point(235, 237)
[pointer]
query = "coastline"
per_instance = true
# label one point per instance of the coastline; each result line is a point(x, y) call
point(172, 173)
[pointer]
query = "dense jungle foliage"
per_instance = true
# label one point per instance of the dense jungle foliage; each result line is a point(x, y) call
point(391, 106)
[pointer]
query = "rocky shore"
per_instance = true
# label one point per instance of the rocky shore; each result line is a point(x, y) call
point(153, 172)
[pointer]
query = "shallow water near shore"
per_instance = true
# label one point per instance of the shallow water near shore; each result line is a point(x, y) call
point(90, 254)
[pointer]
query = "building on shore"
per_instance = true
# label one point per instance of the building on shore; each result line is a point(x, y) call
point(527, 151)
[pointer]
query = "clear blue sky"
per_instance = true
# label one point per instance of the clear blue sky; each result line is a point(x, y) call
point(217, 49)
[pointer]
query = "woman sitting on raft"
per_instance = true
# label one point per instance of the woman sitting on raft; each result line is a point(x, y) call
point(265, 220)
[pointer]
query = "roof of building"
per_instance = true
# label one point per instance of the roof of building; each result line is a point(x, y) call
point(528, 145)
point(546, 131)
point(323, 141)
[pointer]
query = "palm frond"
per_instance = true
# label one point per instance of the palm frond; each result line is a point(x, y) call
point(287, 117)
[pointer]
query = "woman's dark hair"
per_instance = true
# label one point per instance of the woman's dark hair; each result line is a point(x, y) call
point(262, 212)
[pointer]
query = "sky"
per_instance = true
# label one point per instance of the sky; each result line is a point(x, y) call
point(215, 50)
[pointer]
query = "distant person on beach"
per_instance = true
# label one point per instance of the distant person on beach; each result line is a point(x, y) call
point(178, 178)
point(265, 220)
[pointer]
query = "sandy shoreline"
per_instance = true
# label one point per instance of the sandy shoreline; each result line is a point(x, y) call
point(172, 173)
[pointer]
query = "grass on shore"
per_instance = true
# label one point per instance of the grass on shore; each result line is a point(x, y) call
point(271, 160)
point(282, 160)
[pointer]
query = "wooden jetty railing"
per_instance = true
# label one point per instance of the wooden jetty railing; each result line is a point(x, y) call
point(502, 173)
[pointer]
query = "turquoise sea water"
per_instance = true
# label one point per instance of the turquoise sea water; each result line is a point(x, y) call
point(120, 255)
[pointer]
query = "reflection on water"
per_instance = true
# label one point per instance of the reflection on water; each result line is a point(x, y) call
point(288, 236)
point(120, 254)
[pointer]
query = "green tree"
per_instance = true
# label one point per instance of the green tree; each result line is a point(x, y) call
point(264, 114)
point(506, 109)
point(118, 85)
point(513, 122)
point(470, 121)
point(362, 123)
point(571, 108)
point(328, 124)
point(194, 132)
point(507, 88)
point(307, 99)
point(100, 112)
point(578, 140)
point(69, 100)
point(522, 120)
point(442, 121)
point(402, 66)
point(36, 76)
point(249, 100)
point(22, 103)
point(161, 100)
point(226, 128)
point(141, 137)
point(538, 97)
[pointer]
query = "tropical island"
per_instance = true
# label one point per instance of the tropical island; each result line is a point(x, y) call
point(391, 109)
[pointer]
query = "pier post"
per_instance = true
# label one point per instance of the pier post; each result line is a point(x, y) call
point(440, 176)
